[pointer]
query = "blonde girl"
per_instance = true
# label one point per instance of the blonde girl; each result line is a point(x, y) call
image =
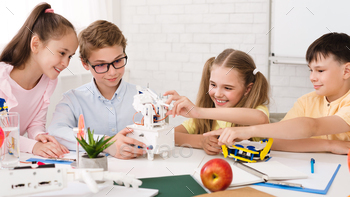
point(232, 93)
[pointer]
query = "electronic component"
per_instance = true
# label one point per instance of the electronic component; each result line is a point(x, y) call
point(154, 129)
point(248, 151)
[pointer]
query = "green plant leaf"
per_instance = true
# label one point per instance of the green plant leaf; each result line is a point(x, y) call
point(106, 146)
point(91, 136)
point(89, 150)
point(102, 142)
point(95, 147)
point(94, 155)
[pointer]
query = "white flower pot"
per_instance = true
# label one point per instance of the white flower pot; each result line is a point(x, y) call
point(99, 162)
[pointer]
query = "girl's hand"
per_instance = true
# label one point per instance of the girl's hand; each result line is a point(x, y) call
point(125, 147)
point(48, 149)
point(210, 145)
point(170, 92)
point(182, 105)
point(44, 138)
point(229, 135)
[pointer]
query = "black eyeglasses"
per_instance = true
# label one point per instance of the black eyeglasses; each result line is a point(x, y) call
point(103, 68)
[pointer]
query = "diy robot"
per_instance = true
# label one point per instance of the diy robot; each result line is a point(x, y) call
point(154, 129)
point(248, 151)
point(35, 180)
point(31, 181)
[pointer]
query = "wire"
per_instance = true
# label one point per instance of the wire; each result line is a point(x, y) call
point(157, 115)
point(162, 118)
point(133, 119)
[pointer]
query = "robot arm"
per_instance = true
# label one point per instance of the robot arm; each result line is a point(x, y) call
point(154, 131)
point(151, 106)
point(89, 176)
point(121, 178)
point(31, 181)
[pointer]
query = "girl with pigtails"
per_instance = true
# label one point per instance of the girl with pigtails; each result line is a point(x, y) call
point(29, 66)
point(232, 93)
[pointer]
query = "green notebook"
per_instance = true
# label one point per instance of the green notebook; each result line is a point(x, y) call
point(182, 185)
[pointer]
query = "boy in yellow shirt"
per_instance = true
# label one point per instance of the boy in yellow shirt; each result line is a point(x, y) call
point(324, 113)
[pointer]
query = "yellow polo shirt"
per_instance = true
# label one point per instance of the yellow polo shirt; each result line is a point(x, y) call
point(190, 126)
point(315, 106)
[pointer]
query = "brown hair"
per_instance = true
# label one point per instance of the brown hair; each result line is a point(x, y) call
point(44, 25)
point(97, 35)
point(244, 64)
point(337, 44)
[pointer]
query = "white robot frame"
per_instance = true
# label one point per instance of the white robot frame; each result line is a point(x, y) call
point(31, 181)
point(154, 129)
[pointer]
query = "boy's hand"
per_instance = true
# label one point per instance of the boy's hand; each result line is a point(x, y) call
point(210, 145)
point(339, 147)
point(125, 147)
point(182, 105)
point(229, 135)
point(48, 149)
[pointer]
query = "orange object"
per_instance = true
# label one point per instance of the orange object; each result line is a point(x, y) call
point(81, 127)
point(349, 161)
point(133, 119)
point(2, 137)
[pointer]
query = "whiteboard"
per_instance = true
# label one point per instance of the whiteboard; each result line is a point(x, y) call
point(297, 23)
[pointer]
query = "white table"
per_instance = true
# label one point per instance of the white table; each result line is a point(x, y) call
point(185, 161)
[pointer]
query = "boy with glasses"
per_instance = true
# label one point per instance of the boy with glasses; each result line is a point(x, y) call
point(105, 102)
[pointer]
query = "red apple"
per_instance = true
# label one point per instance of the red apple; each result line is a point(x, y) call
point(216, 175)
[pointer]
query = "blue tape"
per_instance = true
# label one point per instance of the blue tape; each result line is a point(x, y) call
point(49, 161)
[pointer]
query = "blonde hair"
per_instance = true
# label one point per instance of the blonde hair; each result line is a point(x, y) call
point(244, 65)
point(97, 35)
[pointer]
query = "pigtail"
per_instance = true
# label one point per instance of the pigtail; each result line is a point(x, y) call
point(203, 98)
point(259, 93)
point(18, 49)
point(44, 25)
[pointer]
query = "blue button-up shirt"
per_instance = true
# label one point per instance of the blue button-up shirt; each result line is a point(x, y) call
point(105, 117)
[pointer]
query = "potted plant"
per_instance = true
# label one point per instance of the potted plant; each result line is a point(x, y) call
point(93, 158)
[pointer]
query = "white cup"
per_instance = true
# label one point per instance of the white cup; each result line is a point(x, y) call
point(9, 140)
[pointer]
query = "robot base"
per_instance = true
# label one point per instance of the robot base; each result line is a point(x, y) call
point(159, 140)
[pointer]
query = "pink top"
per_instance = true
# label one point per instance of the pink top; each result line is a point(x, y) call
point(31, 104)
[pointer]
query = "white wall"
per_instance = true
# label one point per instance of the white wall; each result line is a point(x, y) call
point(298, 23)
point(288, 83)
point(170, 40)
